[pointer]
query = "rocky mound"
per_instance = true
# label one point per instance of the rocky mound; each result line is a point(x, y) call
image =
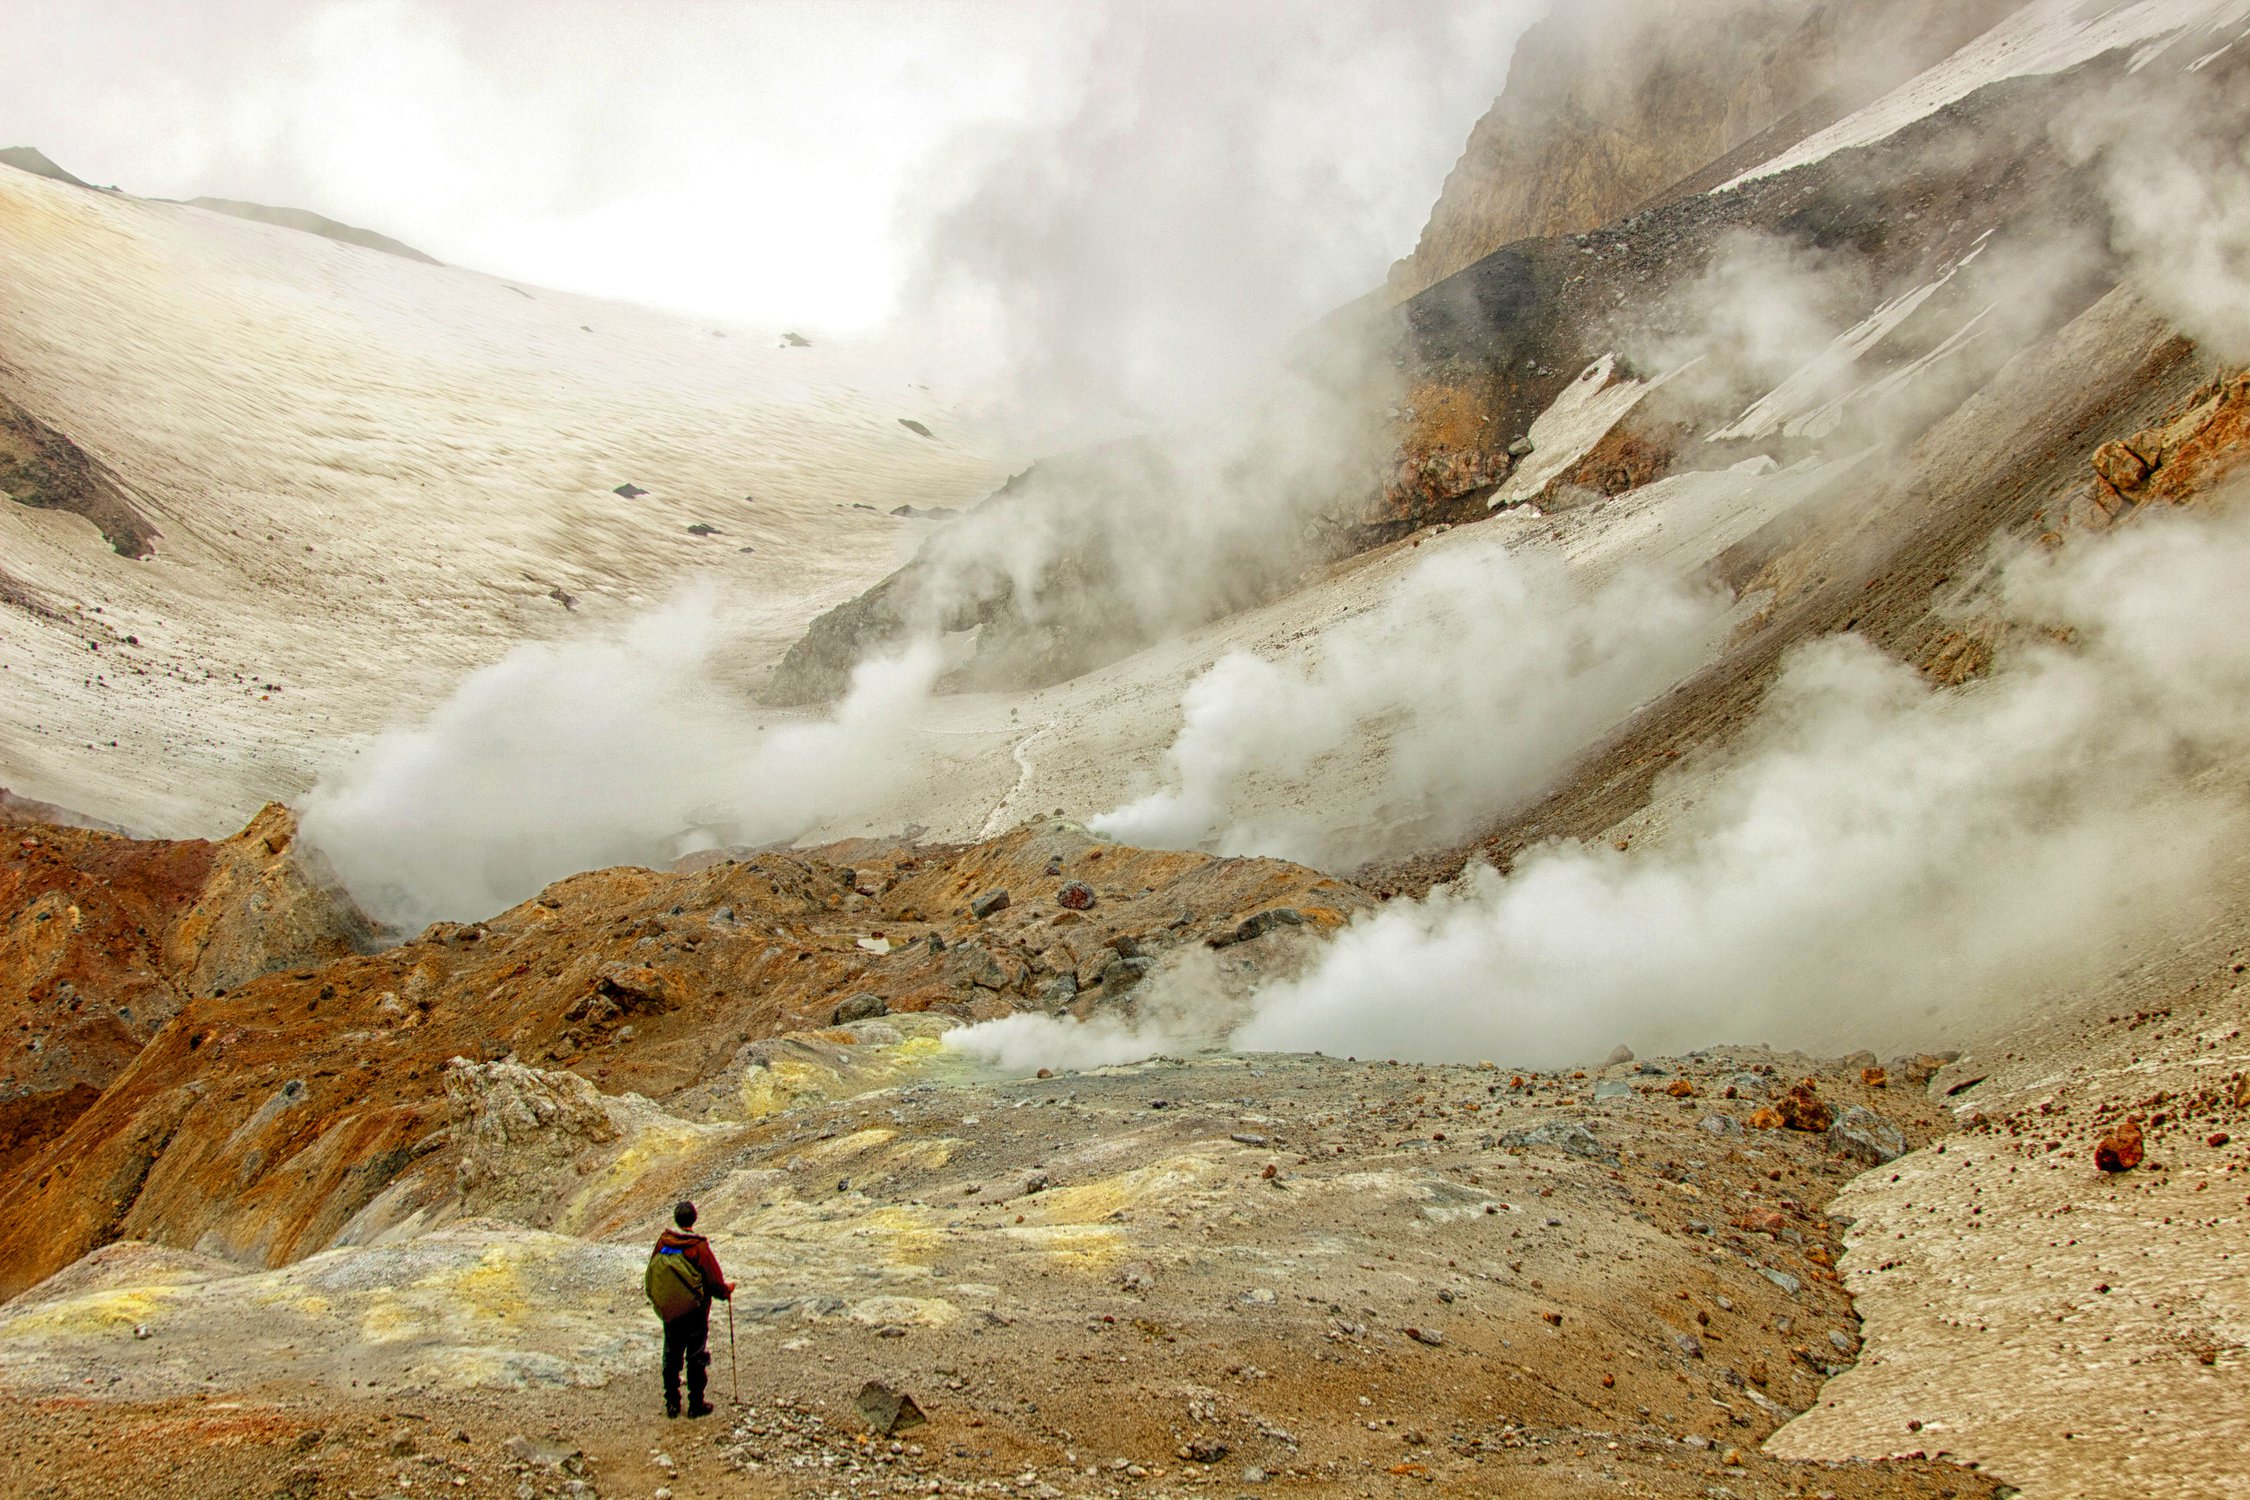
point(260, 1116)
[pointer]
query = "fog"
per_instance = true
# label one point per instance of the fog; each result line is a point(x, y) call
point(1115, 170)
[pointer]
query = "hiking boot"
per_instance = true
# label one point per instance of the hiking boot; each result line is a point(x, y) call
point(671, 1406)
point(700, 1408)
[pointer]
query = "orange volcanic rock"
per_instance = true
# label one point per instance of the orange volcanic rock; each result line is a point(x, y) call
point(264, 1114)
point(1803, 1109)
point(104, 937)
point(2185, 455)
point(2121, 1149)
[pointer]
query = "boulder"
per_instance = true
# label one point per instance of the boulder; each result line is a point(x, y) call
point(860, 1007)
point(1802, 1108)
point(1866, 1136)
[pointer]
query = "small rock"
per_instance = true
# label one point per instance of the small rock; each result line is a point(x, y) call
point(1612, 1088)
point(887, 1409)
point(1076, 896)
point(1803, 1109)
point(1618, 1054)
point(1259, 925)
point(2122, 1149)
point(860, 1007)
point(1429, 1336)
point(1203, 1450)
point(915, 427)
point(140, 1330)
point(535, 1451)
point(988, 903)
point(1718, 1124)
point(1566, 1136)
point(629, 490)
point(1245, 1138)
point(1782, 1279)
point(702, 528)
point(1520, 448)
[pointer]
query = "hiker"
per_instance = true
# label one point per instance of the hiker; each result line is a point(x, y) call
point(683, 1277)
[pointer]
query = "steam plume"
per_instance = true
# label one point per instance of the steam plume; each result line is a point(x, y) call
point(607, 749)
point(1482, 674)
point(1878, 862)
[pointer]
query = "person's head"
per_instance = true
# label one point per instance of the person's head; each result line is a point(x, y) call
point(684, 1214)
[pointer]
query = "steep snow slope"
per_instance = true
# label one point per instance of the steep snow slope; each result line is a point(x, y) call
point(2047, 36)
point(369, 476)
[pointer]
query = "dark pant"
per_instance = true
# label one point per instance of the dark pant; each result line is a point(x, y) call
point(686, 1341)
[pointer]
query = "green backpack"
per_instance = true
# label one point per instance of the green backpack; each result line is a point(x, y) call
point(674, 1285)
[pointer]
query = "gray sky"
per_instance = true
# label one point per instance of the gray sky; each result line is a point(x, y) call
point(791, 161)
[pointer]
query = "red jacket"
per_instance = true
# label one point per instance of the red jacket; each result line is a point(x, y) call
point(698, 1251)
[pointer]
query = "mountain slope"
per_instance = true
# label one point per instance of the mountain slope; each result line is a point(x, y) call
point(359, 477)
point(1609, 103)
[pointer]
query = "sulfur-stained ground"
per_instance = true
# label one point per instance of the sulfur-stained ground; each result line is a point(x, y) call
point(1315, 1276)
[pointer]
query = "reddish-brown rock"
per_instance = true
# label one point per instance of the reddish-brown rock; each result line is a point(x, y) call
point(1802, 1108)
point(2121, 1150)
point(104, 937)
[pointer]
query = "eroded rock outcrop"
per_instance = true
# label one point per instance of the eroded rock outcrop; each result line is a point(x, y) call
point(104, 937)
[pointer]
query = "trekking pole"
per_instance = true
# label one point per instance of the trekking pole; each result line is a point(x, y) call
point(734, 1367)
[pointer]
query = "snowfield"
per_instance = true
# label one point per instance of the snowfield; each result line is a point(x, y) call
point(372, 476)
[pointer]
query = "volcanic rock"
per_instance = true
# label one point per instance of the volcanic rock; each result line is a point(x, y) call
point(1863, 1134)
point(2122, 1149)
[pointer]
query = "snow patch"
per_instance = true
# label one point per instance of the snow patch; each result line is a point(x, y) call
point(2047, 36)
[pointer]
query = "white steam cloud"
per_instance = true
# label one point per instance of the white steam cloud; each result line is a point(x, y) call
point(1878, 862)
point(1479, 677)
point(602, 750)
point(1220, 177)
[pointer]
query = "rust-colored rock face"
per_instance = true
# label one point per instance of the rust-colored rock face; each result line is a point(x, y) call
point(1602, 113)
point(2190, 451)
point(104, 937)
point(262, 1114)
